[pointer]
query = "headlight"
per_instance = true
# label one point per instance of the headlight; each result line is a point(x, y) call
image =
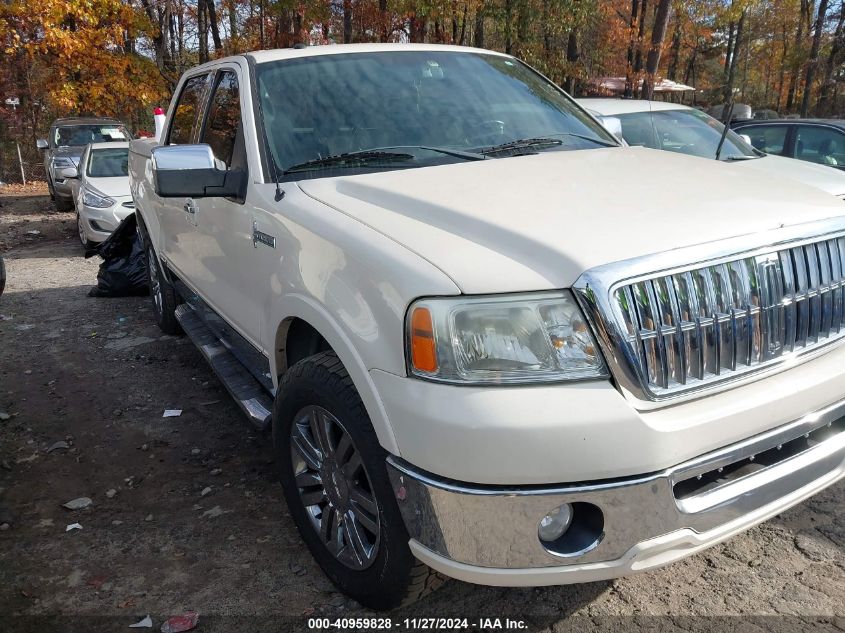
point(91, 199)
point(527, 338)
point(60, 162)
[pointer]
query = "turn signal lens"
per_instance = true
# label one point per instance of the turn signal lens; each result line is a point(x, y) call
point(423, 352)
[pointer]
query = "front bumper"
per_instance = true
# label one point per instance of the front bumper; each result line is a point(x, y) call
point(98, 223)
point(488, 534)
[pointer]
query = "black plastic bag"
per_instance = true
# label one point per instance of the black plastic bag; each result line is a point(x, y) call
point(123, 272)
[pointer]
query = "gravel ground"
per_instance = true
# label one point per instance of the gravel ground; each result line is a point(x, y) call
point(186, 513)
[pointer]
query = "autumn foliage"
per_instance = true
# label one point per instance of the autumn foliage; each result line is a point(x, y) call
point(121, 57)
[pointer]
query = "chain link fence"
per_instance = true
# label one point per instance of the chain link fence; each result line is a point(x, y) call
point(10, 165)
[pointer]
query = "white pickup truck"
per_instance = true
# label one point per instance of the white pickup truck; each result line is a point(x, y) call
point(488, 339)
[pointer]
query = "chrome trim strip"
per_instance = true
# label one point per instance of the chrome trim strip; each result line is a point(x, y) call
point(491, 526)
point(595, 291)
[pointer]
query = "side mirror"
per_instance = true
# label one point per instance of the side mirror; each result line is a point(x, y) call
point(190, 171)
point(745, 138)
point(613, 125)
point(41, 143)
point(69, 172)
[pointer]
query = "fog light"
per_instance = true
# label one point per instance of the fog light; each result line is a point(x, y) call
point(555, 523)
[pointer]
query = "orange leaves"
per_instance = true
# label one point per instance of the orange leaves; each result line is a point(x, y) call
point(81, 48)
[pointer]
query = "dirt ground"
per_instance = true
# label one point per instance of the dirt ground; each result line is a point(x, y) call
point(186, 513)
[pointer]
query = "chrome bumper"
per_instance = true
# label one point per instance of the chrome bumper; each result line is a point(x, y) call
point(476, 532)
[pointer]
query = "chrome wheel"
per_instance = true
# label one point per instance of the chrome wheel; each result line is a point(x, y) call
point(155, 282)
point(334, 487)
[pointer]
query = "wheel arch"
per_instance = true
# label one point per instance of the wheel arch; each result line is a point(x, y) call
point(306, 328)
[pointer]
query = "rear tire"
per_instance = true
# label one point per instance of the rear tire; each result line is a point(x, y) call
point(340, 497)
point(163, 294)
point(2, 275)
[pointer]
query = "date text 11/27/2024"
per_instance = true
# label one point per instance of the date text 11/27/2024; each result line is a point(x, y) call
point(414, 624)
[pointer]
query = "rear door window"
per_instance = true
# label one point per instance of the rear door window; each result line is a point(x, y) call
point(822, 145)
point(767, 138)
point(224, 118)
point(186, 112)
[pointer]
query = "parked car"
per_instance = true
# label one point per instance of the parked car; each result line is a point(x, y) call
point(678, 128)
point(100, 190)
point(819, 141)
point(740, 112)
point(488, 338)
point(63, 147)
point(765, 115)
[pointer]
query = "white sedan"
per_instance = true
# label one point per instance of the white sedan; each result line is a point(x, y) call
point(679, 128)
point(100, 188)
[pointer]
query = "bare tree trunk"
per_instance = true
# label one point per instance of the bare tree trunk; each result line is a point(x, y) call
point(202, 32)
point(672, 72)
point(572, 57)
point(159, 13)
point(261, 26)
point(783, 58)
point(347, 21)
point(211, 16)
point(233, 24)
point(478, 35)
point(462, 37)
point(418, 27)
point(384, 18)
point(508, 26)
point(796, 64)
point(632, 39)
point(827, 93)
point(814, 57)
point(729, 84)
point(638, 61)
point(731, 32)
point(658, 34)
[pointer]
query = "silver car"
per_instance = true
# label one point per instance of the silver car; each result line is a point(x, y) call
point(100, 190)
point(64, 145)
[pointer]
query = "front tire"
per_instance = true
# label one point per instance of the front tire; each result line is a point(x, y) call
point(83, 239)
point(335, 482)
point(163, 294)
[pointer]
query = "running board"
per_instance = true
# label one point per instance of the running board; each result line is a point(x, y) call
point(245, 389)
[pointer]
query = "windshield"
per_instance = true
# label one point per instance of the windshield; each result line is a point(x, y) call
point(78, 135)
point(685, 131)
point(109, 163)
point(328, 105)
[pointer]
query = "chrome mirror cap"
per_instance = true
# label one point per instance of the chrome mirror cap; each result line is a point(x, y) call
point(41, 143)
point(182, 157)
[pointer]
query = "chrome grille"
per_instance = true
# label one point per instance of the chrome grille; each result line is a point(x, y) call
point(709, 324)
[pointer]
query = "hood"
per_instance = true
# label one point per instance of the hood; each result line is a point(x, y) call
point(112, 187)
point(822, 177)
point(537, 222)
point(73, 152)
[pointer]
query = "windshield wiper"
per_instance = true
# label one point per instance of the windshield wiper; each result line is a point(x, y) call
point(518, 144)
point(349, 159)
point(448, 151)
point(540, 142)
point(731, 159)
point(597, 141)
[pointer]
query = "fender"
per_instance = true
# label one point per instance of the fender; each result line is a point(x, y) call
point(292, 306)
